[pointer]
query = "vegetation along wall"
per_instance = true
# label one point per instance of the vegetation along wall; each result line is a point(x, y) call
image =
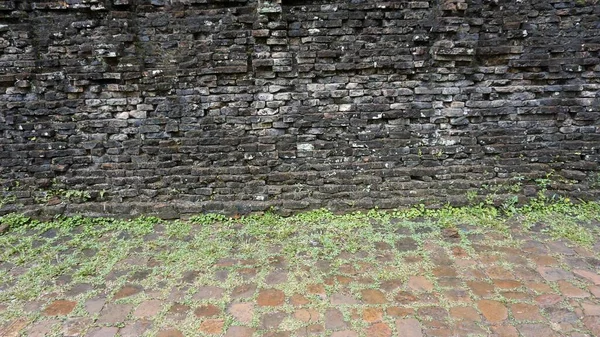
point(126, 107)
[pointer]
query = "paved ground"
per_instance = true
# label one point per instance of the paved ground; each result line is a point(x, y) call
point(427, 283)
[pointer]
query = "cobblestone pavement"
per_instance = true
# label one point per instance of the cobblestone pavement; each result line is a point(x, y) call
point(428, 282)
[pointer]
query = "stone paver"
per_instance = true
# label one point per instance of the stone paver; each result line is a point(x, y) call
point(134, 329)
point(420, 283)
point(373, 296)
point(103, 332)
point(465, 313)
point(307, 315)
point(334, 319)
point(239, 331)
point(126, 291)
point(345, 333)
point(525, 312)
point(535, 330)
point(270, 298)
point(554, 274)
point(74, 327)
point(409, 327)
point(41, 328)
point(114, 313)
point(243, 312)
point(207, 310)
point(379, 330)
point(59, 307)
point(169, 333)
point(212, 326)
point(588, 275)
point(493, 311)
point(483, 285)
point(94, 305)
point(148, 308)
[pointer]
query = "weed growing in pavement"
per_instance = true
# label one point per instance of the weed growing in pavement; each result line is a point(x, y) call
point(89, 248)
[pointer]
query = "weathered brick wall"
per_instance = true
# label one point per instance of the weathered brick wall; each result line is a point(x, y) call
point(139, 106)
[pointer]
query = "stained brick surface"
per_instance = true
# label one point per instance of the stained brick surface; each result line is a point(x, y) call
point(178, 107)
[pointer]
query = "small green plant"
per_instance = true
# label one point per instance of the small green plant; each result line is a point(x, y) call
point(178, 229)
point(594, 180)
point(509, 207)
point(471, 197)
point(15, 220)
point(7, 199)
point(42, 197)
point(517, 184)
point(207, 219)
point(73, 195)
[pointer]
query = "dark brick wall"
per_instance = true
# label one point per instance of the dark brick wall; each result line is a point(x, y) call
point(136, 106)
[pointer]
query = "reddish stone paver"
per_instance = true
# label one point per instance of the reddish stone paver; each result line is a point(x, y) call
point(535, 330)
point(493, 311)
point(299, 300)
point(539, 287)
point(344, 333)
point(554, 274)
point(507, 284)
point(272, 320)
point(372, 314)
point(571, 291)
point(465, 313)
point(114, 313)
point(212, 326)
point(482, 289)
point(60, 307)
point(310, 330)
point(373, 296)
point(548, 300)
point(41, 328)
point(505, 331)
point(593, 324)
point(169, 333)
point(178, 311)
point(316, 289)
point(420, 283)
point(104, 332)
point(409, 327)
point(341, 299)
point(148, 308)
point(243, 291)
point(588, 275)
point(270, 298)
point(400, 312)
point(207, 310)
point(379, 330)
point(135, 329)
point(591, 309)
point(334, 319)
point(239, 331)
point(208, 292)
point(243, 312)
point(73, 327)
point(127, 291)
point(525, 312)
point(307, 315)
